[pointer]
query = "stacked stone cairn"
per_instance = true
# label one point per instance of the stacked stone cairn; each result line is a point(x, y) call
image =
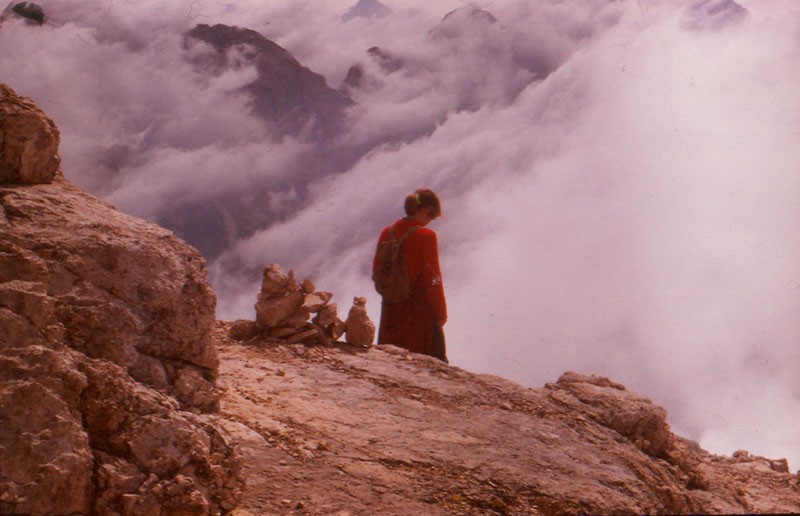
point(296, 313)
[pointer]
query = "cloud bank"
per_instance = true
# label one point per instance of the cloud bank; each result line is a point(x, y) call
point(619, 179)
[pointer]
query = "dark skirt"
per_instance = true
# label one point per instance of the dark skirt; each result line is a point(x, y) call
point(410, 325)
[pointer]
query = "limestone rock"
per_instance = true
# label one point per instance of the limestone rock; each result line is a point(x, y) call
point(385, 431)
point(106, 355)
point(316, 301)
point(116, 287)
point(243, 330)
point(283, 309)
point(308, 286)
point(44, 450)
point(328, 319)
point(360, 330)
point(80, 436)
point(28, 141)
point(270, 312)
point(74, 270)
point(275, 282)
point(637, 418)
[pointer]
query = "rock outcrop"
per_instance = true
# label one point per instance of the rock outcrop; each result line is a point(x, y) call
point(107, 364)
point(360, 329)
point(110, 286)
point(28, 12)
point(28, 141)
point(345, 430)
point(381, 430)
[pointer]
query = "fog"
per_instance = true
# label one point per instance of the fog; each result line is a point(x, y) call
point(619, 179)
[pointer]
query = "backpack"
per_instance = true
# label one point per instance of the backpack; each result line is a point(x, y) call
point(391, 274)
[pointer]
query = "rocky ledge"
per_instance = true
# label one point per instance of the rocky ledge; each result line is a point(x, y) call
point(344, 430)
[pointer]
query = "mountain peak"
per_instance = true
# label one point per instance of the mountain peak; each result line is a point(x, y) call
point(366, 9)
point(286, 94)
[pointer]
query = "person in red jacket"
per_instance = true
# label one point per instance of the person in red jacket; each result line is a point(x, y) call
point(416, 323)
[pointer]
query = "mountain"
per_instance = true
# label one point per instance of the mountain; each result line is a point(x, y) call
point(288, 95)
point(369, 9)
point(296, 103)
point(29, 12)
point(293, 102)
point(713, 15)
point(120, 394)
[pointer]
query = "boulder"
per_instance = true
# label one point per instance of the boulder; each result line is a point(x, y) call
point(360, 330)
point(632, 416)
point(271, 312)
point(115, 287)
point(80, 436)
point(28, 141)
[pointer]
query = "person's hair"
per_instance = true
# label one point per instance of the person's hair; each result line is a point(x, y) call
point(423, 198)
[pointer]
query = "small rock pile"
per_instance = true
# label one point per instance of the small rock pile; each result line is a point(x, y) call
point(284, 307)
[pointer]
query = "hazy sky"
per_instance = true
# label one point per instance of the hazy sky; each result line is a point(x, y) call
point(620, 179)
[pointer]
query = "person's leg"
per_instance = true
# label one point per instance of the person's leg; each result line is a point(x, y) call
point(438, 348)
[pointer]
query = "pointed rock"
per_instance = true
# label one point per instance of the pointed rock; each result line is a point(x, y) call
point(360, 329)
point(28, 141)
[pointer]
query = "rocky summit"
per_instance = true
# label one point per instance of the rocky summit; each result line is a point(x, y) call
point(120, 393)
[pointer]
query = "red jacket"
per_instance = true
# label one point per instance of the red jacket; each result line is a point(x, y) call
point(410, 324)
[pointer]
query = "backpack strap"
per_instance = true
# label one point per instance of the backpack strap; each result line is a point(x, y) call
point(405, 235)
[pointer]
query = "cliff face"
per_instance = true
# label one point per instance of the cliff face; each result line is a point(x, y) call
point(120, 394)
point(106, 358)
